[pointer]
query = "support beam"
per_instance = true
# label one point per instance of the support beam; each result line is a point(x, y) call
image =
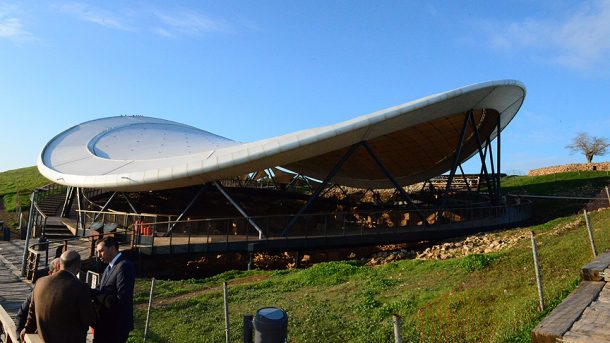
point(499, 128)
point(394, 182)
point(28, 233)
point(129, 203)
point(478, 139)
point(188, 207)
point(65, 211)
point(81, 215)
point(493, 171)
point(104, 207)
point(319, 190)
point(238, 208)
point(465, 179)
point(458, 154)
point(481, 172)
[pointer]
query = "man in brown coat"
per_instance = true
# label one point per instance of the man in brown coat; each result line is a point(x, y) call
point(61, 309)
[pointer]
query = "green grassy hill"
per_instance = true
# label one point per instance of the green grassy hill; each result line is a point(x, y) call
point(479, 298)
point(19, 182)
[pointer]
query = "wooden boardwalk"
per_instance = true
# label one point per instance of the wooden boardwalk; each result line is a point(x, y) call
point(13, 288)
point(584, 316)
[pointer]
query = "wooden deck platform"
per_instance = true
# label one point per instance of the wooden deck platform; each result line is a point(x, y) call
point(13, 288)
point(584, 316)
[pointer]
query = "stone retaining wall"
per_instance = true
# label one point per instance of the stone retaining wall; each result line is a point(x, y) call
point(603, 166)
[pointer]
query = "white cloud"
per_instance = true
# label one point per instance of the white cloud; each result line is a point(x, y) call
point(187, 22)
point(580, 40)
point(165, 23)
point(11, 26)
point(95, 15)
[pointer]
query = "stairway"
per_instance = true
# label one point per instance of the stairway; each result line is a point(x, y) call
point(51, 205)
point(57, 231)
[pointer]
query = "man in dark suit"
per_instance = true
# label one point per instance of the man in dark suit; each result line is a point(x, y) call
point(61, 309)
point(22, 314)
point(114, 295)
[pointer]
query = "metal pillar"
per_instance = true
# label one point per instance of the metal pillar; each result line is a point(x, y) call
point(28, 235)
point(239, 209)
point(81, 215)
point(316, 194)
point(65, 212)
point(493, 169)
point(394, 182)
point(104, 207)
point(458, 153)
point(481, 172)
point(169, 231)
point(465, 179)
point(478, 139)
point(499, 128)
point(129, 203)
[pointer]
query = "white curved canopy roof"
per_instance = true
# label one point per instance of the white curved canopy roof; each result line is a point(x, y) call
point(416, 140)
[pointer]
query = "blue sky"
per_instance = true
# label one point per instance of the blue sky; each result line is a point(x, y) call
point(249, 70)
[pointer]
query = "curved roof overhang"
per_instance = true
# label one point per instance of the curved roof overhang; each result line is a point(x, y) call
point(416, 140)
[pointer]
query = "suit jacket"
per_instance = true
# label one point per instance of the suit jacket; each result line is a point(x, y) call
point(114, 300)
point(61, 309)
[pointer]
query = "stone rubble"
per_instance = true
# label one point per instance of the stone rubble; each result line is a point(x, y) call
point(481, 243)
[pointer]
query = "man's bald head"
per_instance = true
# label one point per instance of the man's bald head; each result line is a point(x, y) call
point(70, 261)
point(54, 266)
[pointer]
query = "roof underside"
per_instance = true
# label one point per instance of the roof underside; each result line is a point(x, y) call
point(415, 141)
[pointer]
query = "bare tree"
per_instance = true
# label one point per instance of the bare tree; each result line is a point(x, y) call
point(589, 146)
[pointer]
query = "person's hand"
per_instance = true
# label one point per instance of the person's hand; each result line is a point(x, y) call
point(22, 335)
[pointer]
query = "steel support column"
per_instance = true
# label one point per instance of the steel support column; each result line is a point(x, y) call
point(465, 179)
point(81, 215)
point(458, 154)
point(481, 172)
point(478, 139)
point(499, 128)
point(239, 209)
point(493, 169)
point(28, 234)
point(104, 207)
point(319, 190)
point(65, 211)
point(129, 203)
point(394, 182)
point(188, 207)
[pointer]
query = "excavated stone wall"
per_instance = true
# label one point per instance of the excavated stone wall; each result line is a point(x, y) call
point(601, 166)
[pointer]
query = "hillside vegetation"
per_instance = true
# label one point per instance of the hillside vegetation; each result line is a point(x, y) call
point(22, 180)
point(478, 298)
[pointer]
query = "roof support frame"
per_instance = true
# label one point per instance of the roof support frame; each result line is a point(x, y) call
point(81, 216)
point(456, 160)
point(69, 200)
point(319, 190)
point(465, 179)
point(239, 209)
point(188, 207)
point(494, 179)
point(394, 182)
point(129, 203)
point(105, 206)
point(481, 172)
point(483, 164)
point(498, 146)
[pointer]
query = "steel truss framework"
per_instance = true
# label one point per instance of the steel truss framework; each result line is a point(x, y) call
point(484, 150)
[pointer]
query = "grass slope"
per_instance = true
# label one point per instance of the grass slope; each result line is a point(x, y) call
point(479, 298)
point(22, 180)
